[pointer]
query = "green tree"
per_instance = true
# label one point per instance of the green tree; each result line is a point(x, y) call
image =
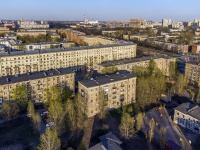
point(126, 126)
point(36, 119)
point(75, 112)
point(49, 140)
point(152, 66)
point(172, 70)
point(20, 94)
point(9, 110)
point(181, 83)
point(66, 94)
point(102, 105)
point(55, 112)
point(52, 94)
point(151, 129)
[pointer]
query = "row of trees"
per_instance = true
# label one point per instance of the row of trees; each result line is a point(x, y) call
point(151, 83)
point(27, 39)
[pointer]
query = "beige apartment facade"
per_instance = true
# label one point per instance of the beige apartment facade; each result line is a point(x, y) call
point(95, 40)
point(37, 83)
point(76, 58)
point(119, 89)
point(192, 72)
point(187, 115)
point(163, 63)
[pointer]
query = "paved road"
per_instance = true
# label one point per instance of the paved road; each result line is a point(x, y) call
point(162, 119)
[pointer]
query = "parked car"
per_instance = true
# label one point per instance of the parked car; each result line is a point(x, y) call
point(44, 114)
point(28, 115)
point(50, 124)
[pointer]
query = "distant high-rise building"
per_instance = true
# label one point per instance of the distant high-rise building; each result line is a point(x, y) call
point(196, 22)
point(166, 22)
point(136, 23)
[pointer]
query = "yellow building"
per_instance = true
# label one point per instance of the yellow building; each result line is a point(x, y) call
point(192, 71)
point(36, 83)
point(119, 90)
point(77, 58)
point(163, 63)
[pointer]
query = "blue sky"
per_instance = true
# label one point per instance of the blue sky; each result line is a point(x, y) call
point(101, 10)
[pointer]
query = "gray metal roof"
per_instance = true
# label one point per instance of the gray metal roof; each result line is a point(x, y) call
point(34, 76)
point(15, 53)
point(121, 75)
point(189, 109)
point(131, 60)
point(109, 142)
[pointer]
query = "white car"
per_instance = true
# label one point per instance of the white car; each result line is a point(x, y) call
point(45, 113)
point(50, 124)
point(28, 115)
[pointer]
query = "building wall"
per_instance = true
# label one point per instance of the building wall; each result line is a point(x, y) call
point(162, 63)
point(92, 41)
point(36, 87)
point(192, 73)
point(116, 92)
point(186, 121)
point(136, 23)
point(77, 59)
point(23, 33)
point(195, 49)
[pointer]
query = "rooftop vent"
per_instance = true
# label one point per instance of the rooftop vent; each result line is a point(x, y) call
point(45, 74)
point(111, 79)
point(16, 75)
point(8, 79)
point(58, 71)
point(192, 109)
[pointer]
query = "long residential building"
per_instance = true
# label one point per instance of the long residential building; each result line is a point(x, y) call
point(192, 70)
point(163, 63)
point(77, 58)
point(36, 83)
point(119, 89)
point(187, 115)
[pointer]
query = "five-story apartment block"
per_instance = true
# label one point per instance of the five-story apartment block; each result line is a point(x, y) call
point(119, 89)
point(192, 72)
point(163, 63)
point(36, 83)
point(76, 58)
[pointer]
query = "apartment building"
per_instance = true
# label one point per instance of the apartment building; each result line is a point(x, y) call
point(30, 33)
point(74, 35)
point(96, 40)
point(119, 88)
point(163, 63)
point(178, 48)
point(187, 115)
point(32, 24)
point(47, 45)
point(196, 49)
point(136, 23)
point(77, 58)
point(192, 70)
point(36, 83)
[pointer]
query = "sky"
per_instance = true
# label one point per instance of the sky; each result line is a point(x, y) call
point(102, 10)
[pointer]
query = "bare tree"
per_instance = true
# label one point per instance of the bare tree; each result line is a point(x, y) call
point(127, 126)
point(9, 110)
point(162, 137)
point(151, 129)
point(36, 119)
point(30, 108)
point(102, 105)
point(139, 121)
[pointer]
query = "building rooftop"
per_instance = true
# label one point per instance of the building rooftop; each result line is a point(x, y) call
point(33, 76)
point(16, 53)
point(109, 142)
point(189, 109)
point(106, 79)
point(131, 60)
